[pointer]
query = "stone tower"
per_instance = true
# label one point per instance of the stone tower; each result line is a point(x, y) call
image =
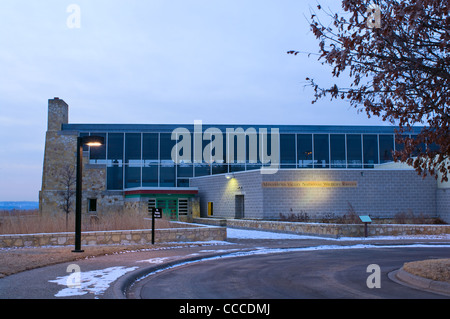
point(60, 148)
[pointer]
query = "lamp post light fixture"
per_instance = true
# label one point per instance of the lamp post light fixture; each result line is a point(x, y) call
point(92, 141)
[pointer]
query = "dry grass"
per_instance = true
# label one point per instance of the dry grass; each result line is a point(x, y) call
point(434, 269)
point(14, 260)
point(32, 222)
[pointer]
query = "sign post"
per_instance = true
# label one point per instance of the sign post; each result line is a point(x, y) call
point(366, 220)
point(156, 213)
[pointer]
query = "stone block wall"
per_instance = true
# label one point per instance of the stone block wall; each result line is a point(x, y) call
point(118, 237)
point(60, 152)
point(443, 204)
point(222, 192)
point(378, 193)
point(329, 230)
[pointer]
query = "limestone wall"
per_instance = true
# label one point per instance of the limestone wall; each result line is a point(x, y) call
point(119, 237)
point(330, 230)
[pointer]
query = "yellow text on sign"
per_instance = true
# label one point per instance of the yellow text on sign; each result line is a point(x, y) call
point(310, 184)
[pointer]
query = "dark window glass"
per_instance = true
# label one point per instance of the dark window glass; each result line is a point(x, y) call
point(219, 168)
point(268, 157)
point(370, 150)
point(183, 182)
point(214, 147)
point(85, 147)
point(253, 166)
point(167, 176)
point(252, 149)
point(150, 146)
point(114, 176)
point(92, 205)
point(182, 151)
point(132, 147)
point(337, 149)
point(304, 150)
point(150, 175)
point(97, 154)
point(399, 145)
point(236, 167)
point(386, 148)
point(419, 148)
point(321, 151)
point(354, 151)
point(238, 153)
point(132, 176)
point(287, 150)
point(115, 147)
point(202, 169)
point(185, 170)
point(166, 146)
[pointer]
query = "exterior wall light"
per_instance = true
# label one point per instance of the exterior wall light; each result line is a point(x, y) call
point(90, 141)
point(229, 175)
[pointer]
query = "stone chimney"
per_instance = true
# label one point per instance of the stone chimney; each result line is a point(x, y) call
point(58, 114)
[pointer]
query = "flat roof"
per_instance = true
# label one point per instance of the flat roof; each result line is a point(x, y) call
point(168, 128)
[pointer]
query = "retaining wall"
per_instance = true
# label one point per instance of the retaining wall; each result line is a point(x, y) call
point(330, 230)
point(118, 237)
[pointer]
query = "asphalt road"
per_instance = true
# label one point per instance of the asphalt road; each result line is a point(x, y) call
point(295, 274)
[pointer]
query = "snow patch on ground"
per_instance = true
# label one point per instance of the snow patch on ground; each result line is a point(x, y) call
point(95, 281)
point(235, 233)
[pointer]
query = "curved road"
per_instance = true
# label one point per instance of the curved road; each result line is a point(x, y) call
point(332, 273)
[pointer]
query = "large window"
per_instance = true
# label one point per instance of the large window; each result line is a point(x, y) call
point(321, 151)
point(354, 151)
point(135, 159)
point(115, 148)
point(304, 151)
point(98, 154)
point(337, 149)
point(386, 145)
point(114, 170)
point(287, 150)
point(370, 150)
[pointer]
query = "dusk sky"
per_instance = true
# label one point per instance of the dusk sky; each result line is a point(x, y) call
point(147, 61)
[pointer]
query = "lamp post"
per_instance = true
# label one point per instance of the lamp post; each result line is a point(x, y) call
point(90, 141)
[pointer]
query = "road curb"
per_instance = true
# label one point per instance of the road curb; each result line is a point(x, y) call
point(403, 277)
point(123, 284)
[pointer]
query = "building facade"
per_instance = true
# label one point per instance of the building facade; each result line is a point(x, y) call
point(235, 171)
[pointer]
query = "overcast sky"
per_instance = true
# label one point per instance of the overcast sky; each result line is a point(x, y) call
point(147, 61)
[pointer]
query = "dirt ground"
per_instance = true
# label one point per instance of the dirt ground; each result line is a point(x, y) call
point(14, 260)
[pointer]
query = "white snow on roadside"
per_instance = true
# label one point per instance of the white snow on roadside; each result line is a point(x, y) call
point(235, 233)
point(157, 260)
point(95, 281)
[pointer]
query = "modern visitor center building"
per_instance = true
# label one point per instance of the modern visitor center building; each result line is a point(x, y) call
point(236, 171)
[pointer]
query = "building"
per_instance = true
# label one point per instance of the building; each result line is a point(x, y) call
point(236, 171)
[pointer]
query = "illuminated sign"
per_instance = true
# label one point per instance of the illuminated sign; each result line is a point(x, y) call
point(310, 184)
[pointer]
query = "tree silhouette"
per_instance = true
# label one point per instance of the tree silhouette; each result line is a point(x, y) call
point(396, 54)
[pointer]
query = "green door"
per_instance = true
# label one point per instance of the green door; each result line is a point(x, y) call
point(169, 207)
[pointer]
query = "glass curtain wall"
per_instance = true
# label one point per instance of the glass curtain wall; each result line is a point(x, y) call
point(136, 159)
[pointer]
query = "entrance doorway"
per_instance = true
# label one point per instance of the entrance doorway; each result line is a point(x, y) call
point(172, 207)
point(239, 206)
